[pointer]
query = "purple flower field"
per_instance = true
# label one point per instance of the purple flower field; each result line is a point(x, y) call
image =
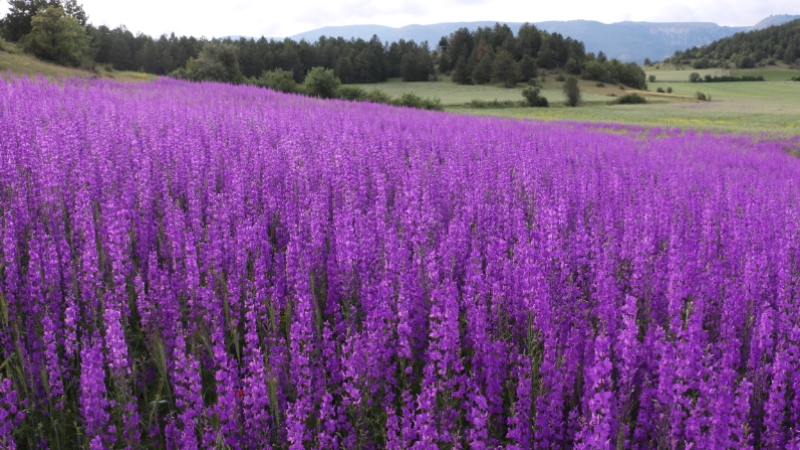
point(206, 266)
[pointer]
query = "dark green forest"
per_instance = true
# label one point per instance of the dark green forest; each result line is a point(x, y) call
point(746, 50)
point(60, 31)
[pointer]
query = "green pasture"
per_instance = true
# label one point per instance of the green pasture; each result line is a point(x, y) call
point(13, 59)
point(771, 106)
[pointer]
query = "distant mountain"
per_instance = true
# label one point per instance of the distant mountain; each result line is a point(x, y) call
point(774, 20)
point(626, 41)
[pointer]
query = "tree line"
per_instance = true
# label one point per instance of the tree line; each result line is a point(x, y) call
point(746, 49)
point(59, 31)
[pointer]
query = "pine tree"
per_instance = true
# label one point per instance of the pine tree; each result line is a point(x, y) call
point(504, 69)
point(527, 68)
point(483, 71)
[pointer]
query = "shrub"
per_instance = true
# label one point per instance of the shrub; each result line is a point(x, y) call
point(353, 93)
point(652, 78)
point(378, 96)
point(661, 90)
point(415, 101)
point(560, 78)
point(669, 90)
point(694, 77)
point(703, 97)
point(531, 94)
point(600, 84)
point(631, 99)
point(216, 62)
point(278, 80)
point(321, 82)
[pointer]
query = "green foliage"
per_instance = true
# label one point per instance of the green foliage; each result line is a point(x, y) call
point(651, 78)
point(703, 97)
point(532, 97)
point(415, 101)
point(504, 69)
point(57, 37)
point(647, 62)
point(669, 90)
point(701, 63)
point(17, 22)
point(378, 96)
point(660, 90)
point(461, 72)
point(631, 99)
point(278, 80)
point(745, 62)
point(613, 71)
point(417, 65)
point(600, 84)
point(483, 71)
point(572, 92)
point(493, 104)
point(694, 77)
point(749, 49)
point(321, 82)
point(216, 62)
point(561, 78)
point(527, 68)
point(353, 93)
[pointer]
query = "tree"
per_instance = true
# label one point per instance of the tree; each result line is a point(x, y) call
point(527, 68)
point(652, 78)
point(694, 77)
point(17, 22)
point(216, 62)
point(417, 65)
point(461, 74)
point(483, 71)
point(57, 37)
point(504, 69)
point(529, 40)
point(278, 80)
point(790, 55)
point(572, 92)
point(322, 83)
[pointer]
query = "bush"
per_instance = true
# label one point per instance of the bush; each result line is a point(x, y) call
point(703, 97)
point(661, 90)
point(631, 99)
point(278, 80)
point(415, 101)
point(600, 84)
point(669, 90)
point(532, 97)
point(560, 78)
point(321, 82)
point(353, 93)
point(652, 78)
point(572, 92)
point(694, 77)
point(378, 96)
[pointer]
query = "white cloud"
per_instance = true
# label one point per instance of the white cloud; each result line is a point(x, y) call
point(272, 18)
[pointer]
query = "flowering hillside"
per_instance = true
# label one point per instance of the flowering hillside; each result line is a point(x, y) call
point(207, 266)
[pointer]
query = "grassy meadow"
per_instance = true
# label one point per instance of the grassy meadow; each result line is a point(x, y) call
point(13, 59)
point(771, 106)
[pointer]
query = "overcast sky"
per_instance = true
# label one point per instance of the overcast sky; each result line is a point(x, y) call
point(284, 18)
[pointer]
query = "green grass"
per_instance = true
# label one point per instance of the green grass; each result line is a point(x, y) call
point(738, 107)
point(452, 94)
point(13, 59)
